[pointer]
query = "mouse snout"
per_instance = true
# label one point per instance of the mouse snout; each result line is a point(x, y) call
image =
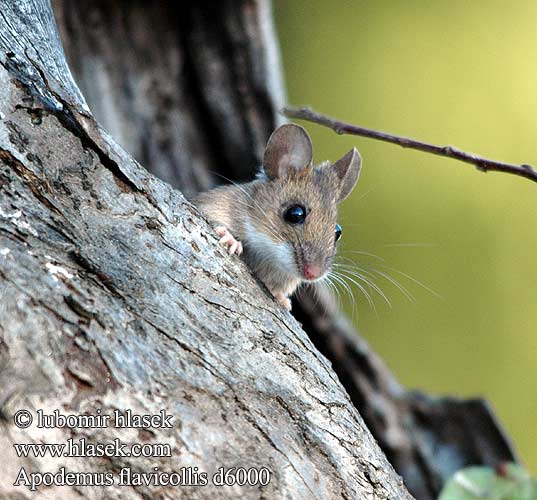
point(312, 271)
point(312, 261)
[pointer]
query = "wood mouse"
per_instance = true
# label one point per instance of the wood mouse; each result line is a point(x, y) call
point(286, 219)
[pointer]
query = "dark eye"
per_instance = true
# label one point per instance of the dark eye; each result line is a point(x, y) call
point(295, 214)
point(338, 231)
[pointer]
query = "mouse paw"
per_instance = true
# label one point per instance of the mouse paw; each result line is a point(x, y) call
point(283, 300)
point(226, 238)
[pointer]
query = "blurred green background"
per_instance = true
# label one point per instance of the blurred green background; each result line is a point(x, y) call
point(460, 73)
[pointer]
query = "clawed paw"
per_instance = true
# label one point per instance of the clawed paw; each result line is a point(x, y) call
point(283, 300)
point(226, 238)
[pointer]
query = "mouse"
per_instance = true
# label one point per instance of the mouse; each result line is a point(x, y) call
point(284, 222)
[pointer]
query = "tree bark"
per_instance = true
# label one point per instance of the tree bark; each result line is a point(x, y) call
point(115, 296)
point(192, 91)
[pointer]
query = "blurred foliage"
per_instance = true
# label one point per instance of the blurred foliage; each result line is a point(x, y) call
point(510, 482)
point(460, 73)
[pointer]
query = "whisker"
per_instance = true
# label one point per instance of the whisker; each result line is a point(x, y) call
point(352, 269)
point(423, 285)
point(250, 197)
point(271, 229)
point(363, 195)
point(387, 277)
point(361, 252)
point(410, 245)
point(366, 294)
point(339, 281)
point(333, 288)
point(372, 284)
point(398, 285)
point(348, 291)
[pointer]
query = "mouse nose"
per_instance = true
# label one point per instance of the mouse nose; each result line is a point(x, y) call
point(311, 271)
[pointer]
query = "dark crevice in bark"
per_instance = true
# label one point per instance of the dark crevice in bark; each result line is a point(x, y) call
point(201, 110)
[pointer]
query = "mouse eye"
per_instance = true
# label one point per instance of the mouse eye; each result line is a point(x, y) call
point(338, 232)
point(295, 214)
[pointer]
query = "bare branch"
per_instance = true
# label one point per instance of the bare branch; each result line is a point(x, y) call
point(482, 164)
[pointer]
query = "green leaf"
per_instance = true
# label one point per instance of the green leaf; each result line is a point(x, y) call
point(508, 482)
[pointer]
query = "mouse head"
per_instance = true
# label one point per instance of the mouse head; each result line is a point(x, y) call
point(300, 202)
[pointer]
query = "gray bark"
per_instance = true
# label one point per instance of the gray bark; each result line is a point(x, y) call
point(191, 91)
point(115, 295)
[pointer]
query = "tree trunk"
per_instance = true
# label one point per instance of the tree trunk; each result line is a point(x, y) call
point(115, 296)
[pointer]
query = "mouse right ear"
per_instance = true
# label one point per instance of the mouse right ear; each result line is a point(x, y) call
point(289, 152)
point(348, 171)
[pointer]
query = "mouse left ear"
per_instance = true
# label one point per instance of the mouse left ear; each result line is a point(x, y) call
point(348, 172)
point(289, 152)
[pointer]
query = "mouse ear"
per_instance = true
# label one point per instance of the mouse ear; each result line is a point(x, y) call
point(289, 151)
point(348, 171)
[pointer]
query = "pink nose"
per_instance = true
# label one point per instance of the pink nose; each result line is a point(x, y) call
point(311, 271)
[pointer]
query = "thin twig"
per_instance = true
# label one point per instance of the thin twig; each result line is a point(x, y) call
point(482, 164)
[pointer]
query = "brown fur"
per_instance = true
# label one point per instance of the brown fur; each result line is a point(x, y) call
point(258, 207)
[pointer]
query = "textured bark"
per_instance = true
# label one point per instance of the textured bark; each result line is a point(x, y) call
point(192, 92)
point(115, 295)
